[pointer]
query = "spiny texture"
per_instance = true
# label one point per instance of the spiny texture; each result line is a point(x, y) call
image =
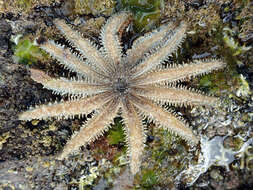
point(132, 84)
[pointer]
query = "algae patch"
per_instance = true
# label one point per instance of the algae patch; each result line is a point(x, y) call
point(146, 13)
point(26, 52)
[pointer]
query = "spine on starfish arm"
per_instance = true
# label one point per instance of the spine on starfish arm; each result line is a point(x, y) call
point(162, 52)
point(63, 86)
point(71, 60)
point(165, 119)
point(144, 44)
point(110, 37)
point(94, 128)
point(135, 135)
point(66, 109)
point(177, 73)
point(86, 47)
point(176, 95)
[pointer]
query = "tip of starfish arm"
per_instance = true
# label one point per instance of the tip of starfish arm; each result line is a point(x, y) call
point(39, 76)
point(23, 116)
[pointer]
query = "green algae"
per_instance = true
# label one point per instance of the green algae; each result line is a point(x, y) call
point(167, 157)
point(27, 53)
point(229, 79)
point(234, 52)
point(149, 178)
point(24, 4)
point(146, 13)
point(214, 83)
point(116, 134)
point(231, 42)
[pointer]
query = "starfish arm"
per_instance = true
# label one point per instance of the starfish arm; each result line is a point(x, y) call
point(67, 109)
point(92, 129)
point(135, 135)
point(85, 46)
point(159, 55)
point(164, 118)
point(180, 72)
point(177, 96)
point(64, 86)
point(110, 38)
point(70, 60)
point(144, 44)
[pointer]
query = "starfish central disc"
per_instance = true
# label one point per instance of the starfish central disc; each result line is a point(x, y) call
point(120, 86)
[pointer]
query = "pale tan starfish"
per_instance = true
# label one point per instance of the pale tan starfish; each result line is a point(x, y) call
point(134, 85)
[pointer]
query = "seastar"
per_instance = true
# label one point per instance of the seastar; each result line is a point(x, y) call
point(133, 84)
